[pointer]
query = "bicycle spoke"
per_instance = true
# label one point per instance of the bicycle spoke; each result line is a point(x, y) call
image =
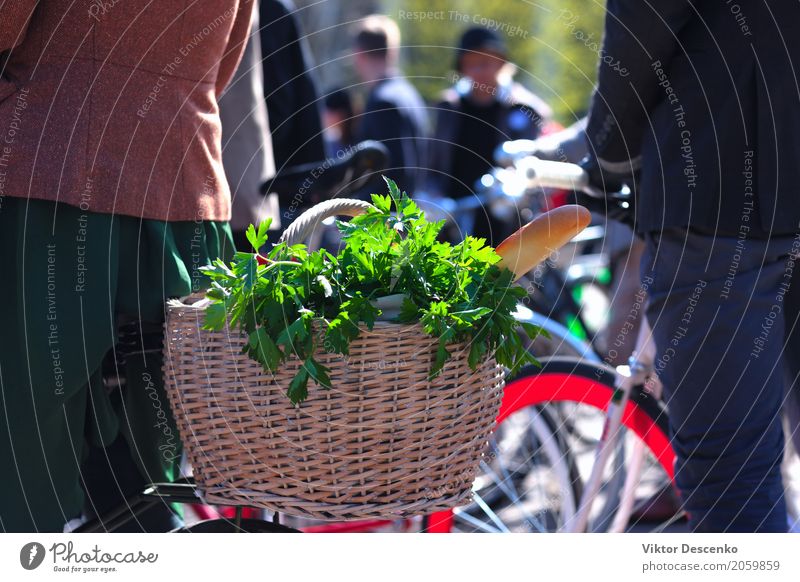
point(490, 514)
point(512, 494)
point(522, 484)
point(462, 514)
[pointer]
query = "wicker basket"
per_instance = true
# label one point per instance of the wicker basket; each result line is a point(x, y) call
point(383, 442)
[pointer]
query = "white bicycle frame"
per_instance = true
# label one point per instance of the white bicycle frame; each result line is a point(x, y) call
point(637, 372)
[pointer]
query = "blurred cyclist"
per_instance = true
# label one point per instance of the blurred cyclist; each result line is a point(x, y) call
point(483, 109)
point(394, 114)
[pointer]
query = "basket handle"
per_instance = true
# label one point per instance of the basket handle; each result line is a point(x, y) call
point(297, 232)
point(305, 224)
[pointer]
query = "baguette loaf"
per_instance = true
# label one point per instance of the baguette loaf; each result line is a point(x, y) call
point(534, 242)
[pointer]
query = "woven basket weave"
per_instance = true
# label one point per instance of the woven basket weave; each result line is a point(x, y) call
point(384, 442)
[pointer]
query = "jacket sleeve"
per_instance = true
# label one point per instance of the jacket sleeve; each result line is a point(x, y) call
point(15, 15)
point(638, 36)
point(237, 41)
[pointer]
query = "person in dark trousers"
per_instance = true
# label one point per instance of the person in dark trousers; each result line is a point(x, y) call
point(705, 104)
point(289, 87)
point(394, 113)
point(483, 109)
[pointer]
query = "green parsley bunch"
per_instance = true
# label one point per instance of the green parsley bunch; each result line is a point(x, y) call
point(293, 302)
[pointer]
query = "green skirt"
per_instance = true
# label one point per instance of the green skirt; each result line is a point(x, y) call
point(71, 276)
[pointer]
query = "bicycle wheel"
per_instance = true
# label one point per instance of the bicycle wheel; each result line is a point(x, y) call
point(528, 482)
point(642, 459)
point(582, 384)
point(570, 380)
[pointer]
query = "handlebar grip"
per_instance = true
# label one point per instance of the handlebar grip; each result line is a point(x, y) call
point(509, 152)
point(547, 174)
point(305, 224)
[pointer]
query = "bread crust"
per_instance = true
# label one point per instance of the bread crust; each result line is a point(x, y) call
point(546, 233)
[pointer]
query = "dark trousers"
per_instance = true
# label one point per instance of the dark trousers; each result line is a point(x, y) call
point(70, 278)
point(720, 308)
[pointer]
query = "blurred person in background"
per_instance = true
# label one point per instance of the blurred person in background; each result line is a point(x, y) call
point(394, 113)
point(484, 108)
point(290, 87)
point(113, 197)
point(247, 146)
point(293, 108)
point(337, 121)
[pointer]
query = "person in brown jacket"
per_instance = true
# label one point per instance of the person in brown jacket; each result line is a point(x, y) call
point(112, 196)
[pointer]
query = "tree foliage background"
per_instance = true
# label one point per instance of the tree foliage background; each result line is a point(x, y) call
point(555, 43)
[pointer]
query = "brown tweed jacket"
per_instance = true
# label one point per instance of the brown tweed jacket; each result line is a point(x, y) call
point(111, 105)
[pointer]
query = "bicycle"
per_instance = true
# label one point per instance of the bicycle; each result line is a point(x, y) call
point(528, 439)
point(505, 482)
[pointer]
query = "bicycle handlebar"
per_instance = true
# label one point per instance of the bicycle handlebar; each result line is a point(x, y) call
point(547, 174)
point(508, 152)
point(537, 173)
point(348, 172)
